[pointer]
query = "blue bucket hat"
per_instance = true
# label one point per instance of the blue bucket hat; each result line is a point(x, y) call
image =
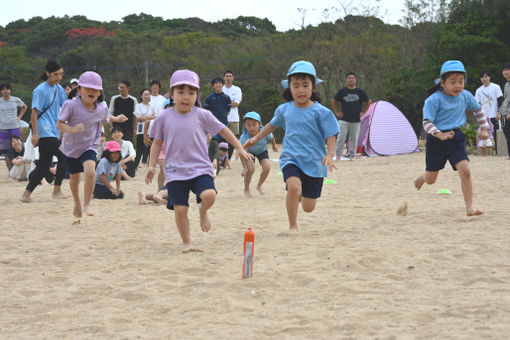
point(452, 66)
point(301, 66)
point(253, 115)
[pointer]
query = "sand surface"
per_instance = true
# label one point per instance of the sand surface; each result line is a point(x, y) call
point(356, 270)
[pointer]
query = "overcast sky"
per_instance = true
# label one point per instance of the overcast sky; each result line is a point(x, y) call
point(284, 14)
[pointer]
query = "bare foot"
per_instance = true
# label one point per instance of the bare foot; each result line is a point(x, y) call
point(418, 183)
point(262, 192)
point(141, 198)
point(25, 198)
point(188, 248)
point(77, 211)
point(293, 229)
point(88, 211)
point(247, 193)
point(159, 199)
point(59, 195)
point(473, 212)
point(205, 224)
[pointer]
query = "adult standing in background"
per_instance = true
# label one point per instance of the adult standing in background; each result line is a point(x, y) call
point(9, 119)
point(354, 103)
point(504, 109)
point(489, 96)
point(156, 99)
point(47, 99)
point(236, 95)
point(125, 104)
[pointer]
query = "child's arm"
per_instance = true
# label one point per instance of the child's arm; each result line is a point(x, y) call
point(231, 138)
point(155, 150)
point(18, 161)
point(275, 147)
point(262, 133)
point(107, 184)
point(117, 182)
point(63, 127)
point(146, 139)
point(328, 159)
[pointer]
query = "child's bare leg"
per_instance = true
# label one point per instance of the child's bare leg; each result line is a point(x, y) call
point(207, 198)
point(467, 187)
point(489, 151)
point(266, 167)
point(161, 175)
point(160, 197)
point(89, 168)
point(428, 177)
point(248, 174)
point(74, 182)
point(292, 201)
point(57, 192)
point(182, 221)
point(142, 198)
point(308, 204)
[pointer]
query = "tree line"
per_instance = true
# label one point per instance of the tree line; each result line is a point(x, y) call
point(393, 62)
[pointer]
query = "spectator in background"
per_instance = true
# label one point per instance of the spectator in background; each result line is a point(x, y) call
point(9, 119)
point(125, 104)
point(488, 95)
point(218, 103)
point(236, 95)
point(144, 112)
point(156, 99)
point(20, 166)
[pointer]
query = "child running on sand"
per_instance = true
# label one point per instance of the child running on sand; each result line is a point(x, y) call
point(184, 128)
point(252, 126)
point(443, 116)
point(308, 125)
point(80, 120)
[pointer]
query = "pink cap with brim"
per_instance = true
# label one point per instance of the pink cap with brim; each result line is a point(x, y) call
point(112, 146)
point(185, 77)
point(91, 80)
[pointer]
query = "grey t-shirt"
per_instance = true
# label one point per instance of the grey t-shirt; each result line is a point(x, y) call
point(9, 112)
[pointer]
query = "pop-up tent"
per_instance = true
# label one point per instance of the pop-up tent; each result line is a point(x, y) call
point(385, 131)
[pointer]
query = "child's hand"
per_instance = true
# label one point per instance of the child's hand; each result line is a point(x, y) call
point(249, 143)
point(77, 128)
point(245, 155)
point(114, 191)
point(483, 134)
point(146, 141)
point(328, 161)
point(444, 135)
point(149, 175)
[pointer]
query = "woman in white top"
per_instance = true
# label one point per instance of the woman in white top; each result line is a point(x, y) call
point(144, 111)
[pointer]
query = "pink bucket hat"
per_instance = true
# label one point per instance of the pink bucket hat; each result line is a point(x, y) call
point(92, 80)
point(185, 77)
point(112, 146)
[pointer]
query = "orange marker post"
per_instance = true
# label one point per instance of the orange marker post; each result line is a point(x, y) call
point(249, 244)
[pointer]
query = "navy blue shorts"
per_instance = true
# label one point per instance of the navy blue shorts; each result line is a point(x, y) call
point(438, 151)
point(311, 187)
point(261, 156)
point(75, 165)
point(178, 191)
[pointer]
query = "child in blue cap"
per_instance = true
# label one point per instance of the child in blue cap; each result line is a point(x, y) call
point(308, 125)
point(252, 126)
point(443, 116)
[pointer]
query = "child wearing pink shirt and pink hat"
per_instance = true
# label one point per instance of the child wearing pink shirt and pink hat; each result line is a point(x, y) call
point(184, 128)
point(80, 121)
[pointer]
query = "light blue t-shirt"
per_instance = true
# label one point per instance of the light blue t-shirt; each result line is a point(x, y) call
point(109, 169)
point(41, 99)
point(448, 112)
point(306, 131)
point(261, 145)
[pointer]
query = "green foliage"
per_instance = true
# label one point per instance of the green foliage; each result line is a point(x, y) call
point(471, 132)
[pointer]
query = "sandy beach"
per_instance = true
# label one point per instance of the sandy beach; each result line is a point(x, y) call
point(356, 270)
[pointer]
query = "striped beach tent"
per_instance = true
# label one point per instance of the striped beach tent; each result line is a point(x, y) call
point(385, 131)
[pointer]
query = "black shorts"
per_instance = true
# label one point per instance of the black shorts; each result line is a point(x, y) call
point(75, 165)
point(311, 187)
point(439, 151)
point(178, 191)
point(261, 156)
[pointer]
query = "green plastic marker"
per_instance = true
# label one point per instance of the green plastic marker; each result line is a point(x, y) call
point(444, 191)
point(330, 181)
point(280, 173)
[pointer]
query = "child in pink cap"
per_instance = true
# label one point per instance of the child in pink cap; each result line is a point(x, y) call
point(80, 121)
point(183, 128)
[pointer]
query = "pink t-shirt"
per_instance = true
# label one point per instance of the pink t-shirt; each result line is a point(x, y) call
point(74, 112)
point(185, 142)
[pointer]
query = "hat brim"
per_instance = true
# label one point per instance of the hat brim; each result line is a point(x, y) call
point(185, 83)
point(91, 86)
point(285, 82)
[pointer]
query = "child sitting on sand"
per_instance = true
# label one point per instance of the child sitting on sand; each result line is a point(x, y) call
point(108, 169)
point(224, 162)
